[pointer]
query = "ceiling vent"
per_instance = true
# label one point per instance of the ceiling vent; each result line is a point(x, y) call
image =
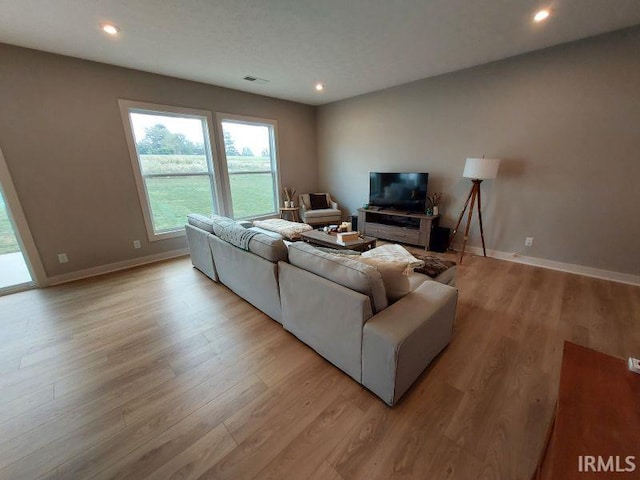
point(258, 80)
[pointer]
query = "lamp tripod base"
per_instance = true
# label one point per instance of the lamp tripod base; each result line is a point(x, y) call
point(474, 195)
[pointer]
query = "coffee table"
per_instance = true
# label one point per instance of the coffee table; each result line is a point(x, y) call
point(318, 237)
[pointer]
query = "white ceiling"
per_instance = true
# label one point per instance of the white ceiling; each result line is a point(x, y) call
point(353, 46)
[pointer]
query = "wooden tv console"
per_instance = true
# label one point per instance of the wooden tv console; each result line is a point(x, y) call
point(397, 226)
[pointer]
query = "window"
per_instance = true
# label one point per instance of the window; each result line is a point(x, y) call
point(251, 165)
point(177, 173)
point(172, 161)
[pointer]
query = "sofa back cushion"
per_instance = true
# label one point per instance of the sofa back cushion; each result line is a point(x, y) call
point(344, 271)
point(267, 232)
point(218, 221)
point(236, 235)
point(268, 247)
point(200, 221)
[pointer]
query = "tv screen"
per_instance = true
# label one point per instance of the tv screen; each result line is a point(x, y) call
point(398, 191)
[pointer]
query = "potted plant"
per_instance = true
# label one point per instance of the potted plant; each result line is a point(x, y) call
point(288, 194)
point(434, 202)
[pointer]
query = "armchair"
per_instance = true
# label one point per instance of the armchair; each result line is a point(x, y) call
point(319, 216)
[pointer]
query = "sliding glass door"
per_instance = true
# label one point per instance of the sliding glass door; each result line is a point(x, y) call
point(13, 267)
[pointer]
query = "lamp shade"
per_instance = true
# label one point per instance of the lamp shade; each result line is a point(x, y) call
point(481, 168)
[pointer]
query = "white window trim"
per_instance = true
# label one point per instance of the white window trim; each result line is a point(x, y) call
point(275, 162)
point(125, 106)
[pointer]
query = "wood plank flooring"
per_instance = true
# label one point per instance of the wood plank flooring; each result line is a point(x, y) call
point(159, 373)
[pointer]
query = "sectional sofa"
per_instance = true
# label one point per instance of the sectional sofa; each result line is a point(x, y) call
point(336, 305)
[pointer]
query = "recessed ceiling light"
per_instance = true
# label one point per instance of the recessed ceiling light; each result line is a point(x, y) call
point(319, 87)
point(541, 15)
point(109, 28)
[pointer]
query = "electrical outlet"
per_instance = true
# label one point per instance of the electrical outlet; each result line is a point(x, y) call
point(62, 258)
point(136, 244)
point(528, 242)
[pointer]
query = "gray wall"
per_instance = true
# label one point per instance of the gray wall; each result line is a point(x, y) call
point(565, 121)
point(63, 139)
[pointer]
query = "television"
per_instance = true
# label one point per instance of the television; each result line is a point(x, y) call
point(398, 191)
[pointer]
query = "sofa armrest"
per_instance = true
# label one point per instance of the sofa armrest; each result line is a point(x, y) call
point(400, 342)
point(334, 205)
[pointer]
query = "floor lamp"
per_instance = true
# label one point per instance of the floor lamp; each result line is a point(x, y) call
point(477, 169)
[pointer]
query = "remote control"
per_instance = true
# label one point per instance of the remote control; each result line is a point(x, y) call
point(634, 365)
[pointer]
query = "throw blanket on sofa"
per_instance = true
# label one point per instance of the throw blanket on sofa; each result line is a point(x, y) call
point(289, 230)
point(392, 252)
point(235, 235)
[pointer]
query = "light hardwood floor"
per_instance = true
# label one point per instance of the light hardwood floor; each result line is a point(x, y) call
point(159, 373)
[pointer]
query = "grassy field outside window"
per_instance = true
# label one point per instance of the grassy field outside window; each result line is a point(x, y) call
point(173, 198)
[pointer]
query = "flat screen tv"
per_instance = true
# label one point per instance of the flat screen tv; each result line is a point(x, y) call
point(398, 191)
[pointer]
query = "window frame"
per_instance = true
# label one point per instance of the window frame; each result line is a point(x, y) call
point(215, 178)
point(224, 166)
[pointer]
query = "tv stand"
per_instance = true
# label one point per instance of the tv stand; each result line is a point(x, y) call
point(397, 226)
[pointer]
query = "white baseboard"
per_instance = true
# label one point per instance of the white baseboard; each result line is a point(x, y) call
point(553, 265)
point(510, 257)
point(114, 267)
point(17, 288)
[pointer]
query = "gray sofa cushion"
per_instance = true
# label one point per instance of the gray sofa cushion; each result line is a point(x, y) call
point(235, 235)
point(201, 221)
point(323, 213)
point(268, 247)
point(265, 246)
point(266, 232)
point(341, 270)
point(220, 222)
